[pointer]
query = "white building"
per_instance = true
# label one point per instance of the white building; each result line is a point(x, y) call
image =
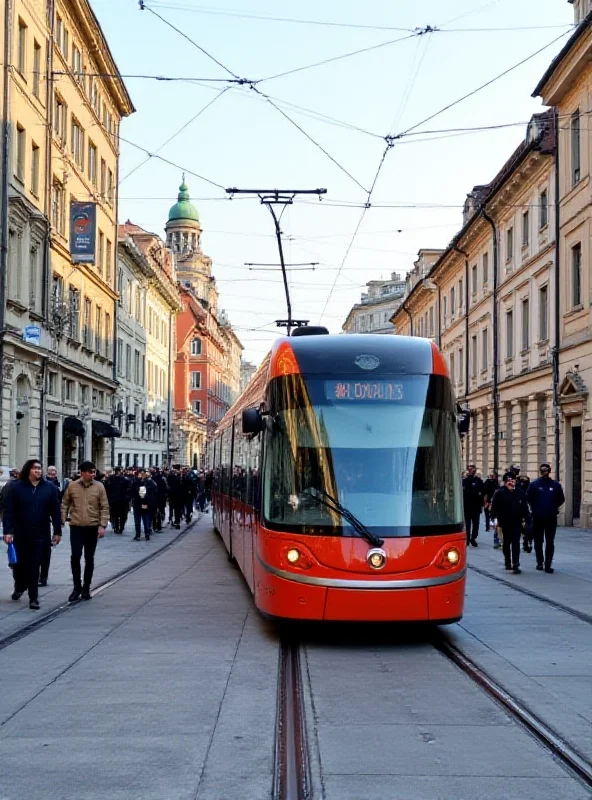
point(373, 313)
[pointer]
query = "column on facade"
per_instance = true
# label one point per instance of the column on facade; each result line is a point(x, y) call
point(505, 444)
point(59, 456)
point(483, 450)
point(586, 504)
point(516, 434)
point(88, 440)
point(531, 467)
point(549, 423)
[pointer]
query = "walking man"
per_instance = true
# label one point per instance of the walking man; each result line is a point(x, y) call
point(546, 498)
point(31, 505)
point(51, 477)
point(510, 508)
point(490, 487)
point(118, 488)
point(473, 494)
point(144, 503)
point(85, 501)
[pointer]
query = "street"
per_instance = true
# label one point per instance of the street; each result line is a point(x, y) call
point(164, 686)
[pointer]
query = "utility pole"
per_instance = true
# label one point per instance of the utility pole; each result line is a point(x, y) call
point(272, 198)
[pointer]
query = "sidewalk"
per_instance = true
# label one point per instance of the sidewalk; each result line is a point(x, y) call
point(114, 554)
point(538, 653)
point(571, 585)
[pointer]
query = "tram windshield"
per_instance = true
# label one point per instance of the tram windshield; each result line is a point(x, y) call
point(387, 450)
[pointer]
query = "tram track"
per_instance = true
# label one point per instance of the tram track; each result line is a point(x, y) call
point(291, 774)
point(581, 615)
point(574, 762)
point(50, 616)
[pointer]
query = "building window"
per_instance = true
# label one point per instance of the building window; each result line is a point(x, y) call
point(137, 367)
point(461, 363)
point(197, 406)
point(452, 303)
point(525, 324)
point(21, 141)
point(543, 209)
point(196, 347)
point(77, 143)
point(120, 356)
point(526, 229)
point(35, 169)
point(543, 313)
point(60, 115)
point(575, 147)
point(36, 68)
point(196, 380)
point(484, 350)
point(142, 370)
point(108, 261)
point(509, 334)
point(452, 370)
point(92, 163)
point(474, 281)
point(52, 384)
point(101, 254)
point(58, 203)
point(576, 275)
point(110, 187)
point(74, 313)
point(77, 64)
point(62, 37)
point(460, 293)
point(485, 269)
point(128, 362)
point(86, 328)
point(107, 335)
point(432, 321)
point(21, 55)
point(474, 365)
point(510, 244)
point(103, 184)
point(99, 331)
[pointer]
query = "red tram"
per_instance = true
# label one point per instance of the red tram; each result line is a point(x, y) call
point(337, 483)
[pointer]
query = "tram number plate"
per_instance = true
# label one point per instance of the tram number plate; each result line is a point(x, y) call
point(358, 391)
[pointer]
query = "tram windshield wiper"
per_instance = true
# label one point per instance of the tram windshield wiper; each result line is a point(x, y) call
point(330, 502)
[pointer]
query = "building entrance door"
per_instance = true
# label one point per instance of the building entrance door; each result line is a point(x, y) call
point(576, 465)
point(52, 433)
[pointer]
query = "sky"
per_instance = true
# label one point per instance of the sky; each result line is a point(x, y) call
point(321, 127)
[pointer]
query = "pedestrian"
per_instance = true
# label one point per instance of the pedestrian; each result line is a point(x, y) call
point(510, 508)
point(473, 495)
point(189, 493)
point(31, 505)
point(51, 477)
point(85, 502)
point(523, 483)
point(162, 487)
point(144, 504)
point(546, 498)
point(490, 487)
point(118, 489)
point(176, 498)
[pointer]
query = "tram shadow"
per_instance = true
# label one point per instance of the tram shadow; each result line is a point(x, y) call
point(362, 635)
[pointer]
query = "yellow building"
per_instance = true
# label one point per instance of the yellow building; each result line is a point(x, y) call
point(63, 108)
point(486, 301)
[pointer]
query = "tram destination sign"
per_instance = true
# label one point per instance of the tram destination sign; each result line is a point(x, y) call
point(359, 391)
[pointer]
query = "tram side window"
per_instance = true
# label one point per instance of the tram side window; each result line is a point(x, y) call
point(226, 443)
point(252, 488)
point(239, 467)
point(216, 465)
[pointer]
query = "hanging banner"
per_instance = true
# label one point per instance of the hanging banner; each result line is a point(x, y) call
point(83, 227)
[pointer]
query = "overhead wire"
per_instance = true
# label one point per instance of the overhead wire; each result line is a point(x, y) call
point(174, 136)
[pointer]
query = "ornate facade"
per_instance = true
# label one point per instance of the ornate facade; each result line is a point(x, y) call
point(373, 313)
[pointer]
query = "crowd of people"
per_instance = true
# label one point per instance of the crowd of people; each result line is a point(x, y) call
point(518, 510)
point(34, 508)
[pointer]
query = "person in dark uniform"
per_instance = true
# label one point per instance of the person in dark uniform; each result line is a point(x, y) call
point(51, 477)
point(31, 505)
point(473, 494)
point(546, 498)
point(189, 483)
point(523, 483)
point(118, 489)
point(176, 497)
point(161, 485)
point(490, 487)
point(511, 510)
point(144, 502)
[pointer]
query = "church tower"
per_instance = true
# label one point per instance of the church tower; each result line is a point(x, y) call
point(183, 237)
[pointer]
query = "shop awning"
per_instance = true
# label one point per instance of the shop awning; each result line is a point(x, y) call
point(104, 430)
point(73, 426)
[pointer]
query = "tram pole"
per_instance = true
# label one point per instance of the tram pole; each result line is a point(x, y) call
point(284, 198)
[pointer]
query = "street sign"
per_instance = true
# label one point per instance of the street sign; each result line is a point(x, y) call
point(32, 334)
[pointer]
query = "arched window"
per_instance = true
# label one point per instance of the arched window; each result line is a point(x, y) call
point(196, 346)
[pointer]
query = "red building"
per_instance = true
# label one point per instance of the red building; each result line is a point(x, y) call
point(207, 362)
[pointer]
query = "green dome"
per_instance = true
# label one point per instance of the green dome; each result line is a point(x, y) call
point(183, 208)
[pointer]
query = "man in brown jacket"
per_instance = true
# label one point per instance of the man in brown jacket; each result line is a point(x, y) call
point(85, 503)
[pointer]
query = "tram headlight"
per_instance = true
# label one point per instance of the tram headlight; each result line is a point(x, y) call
point(452, 556)
point(376, 558)
point(293, 555)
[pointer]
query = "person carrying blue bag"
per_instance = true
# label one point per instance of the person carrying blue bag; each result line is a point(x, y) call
point(31, 505)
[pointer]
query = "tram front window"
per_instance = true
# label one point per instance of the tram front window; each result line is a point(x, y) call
point(394, 464)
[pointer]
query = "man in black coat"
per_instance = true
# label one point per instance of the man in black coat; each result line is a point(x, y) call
point(144, 503)
point(546, 498)
point(118, 488)
point(176, 497)
point(189, 482)
point(473, 494)
point(161, 485)
point(31, 505)
point(511, 510)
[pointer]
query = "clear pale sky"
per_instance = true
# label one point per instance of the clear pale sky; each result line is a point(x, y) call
point(241, 140)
